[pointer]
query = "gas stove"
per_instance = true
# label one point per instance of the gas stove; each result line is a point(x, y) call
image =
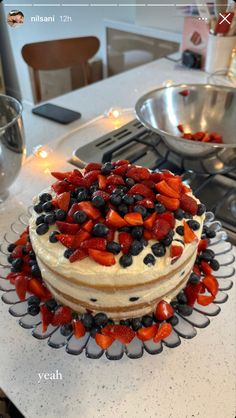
point(143, 147)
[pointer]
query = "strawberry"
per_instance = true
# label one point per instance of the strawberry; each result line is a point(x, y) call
point(110, 188)
point(62, 186)
point(187, 135)
point(147, 203)
point(168, 217)
point(198, 136)
point(188, 204)
point(196, 270)
point(180, 128)
point(78, 181)
point(115, 179)
point(133, 218)
point(66, 240)
point(87, 225)
point(185, 189)
point(66, 228)
point(215, 137)
point(189, 235)
point(176, 251)
point(148, 183)
point(120, 170)
point(104, 341)
point(145, 334)
point(147, 235)
point(205, 300)
point(164, 311)
point(156, 177)
point(104, 258)
point(89, 209)
point(62, 316)
point(191, 291)
point(78, 255)
point(12, 277)
point(91, 176)
point(206, 138)
point(166, 190)
point(80, 237)
point(102, 182)
point(92, 167)
point(169, 202)
point(110, 236)
point(122, 333)
point(114, 220)
point(203, 244)
point(160, 229)
point(163, 332)
point(17, 252)
point(138, 173)
point(125, 240)
point(142, 190)
point(79, 329)
point(63, 201)
point(120, 162)
point(21, 284)
point(184, 93)
point(103, 194)
point(46, 317)
point(174, 183)
point(205, 267)
point(23, 238)
point(149, 221)
point(38, 289)
point(96, 243)
point(61, 176)
point(211, 284)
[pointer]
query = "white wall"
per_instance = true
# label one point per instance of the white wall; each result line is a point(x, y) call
point(85, 21)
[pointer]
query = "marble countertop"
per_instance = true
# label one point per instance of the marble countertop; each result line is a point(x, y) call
point(197, 379)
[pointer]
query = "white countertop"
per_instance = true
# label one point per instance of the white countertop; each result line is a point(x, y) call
point(197, 379)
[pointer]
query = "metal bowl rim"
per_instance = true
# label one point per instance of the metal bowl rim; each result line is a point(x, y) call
point(19, 115)
point(143, 98)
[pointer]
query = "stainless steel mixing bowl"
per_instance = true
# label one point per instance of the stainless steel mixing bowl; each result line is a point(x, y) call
point(11, 142)
point(206, 108)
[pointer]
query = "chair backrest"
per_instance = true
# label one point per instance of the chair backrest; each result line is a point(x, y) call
point(59, 54)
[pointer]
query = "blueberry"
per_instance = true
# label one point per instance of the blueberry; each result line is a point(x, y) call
point(123, 209)
point(141, 209)
point(45, 197)
point(11, 247)
point(194, 278)
point(182, 299)
point(94, 330)
point(113, 247)
point(87, 320)
point(207, 255)
point(167, 240)
point(35, 270)
point(128, 199)
point(201, 208)
point(129, 182)
point(136, 247)
point(215, 265)
point(66, 330)
point(47, 207)
point(33, 309)
point(185, 310)
point(173, 320)
point(136, 323)
point(194, 225)
point(94, 188)
point(126, 260)
point(50, 219)
point(80, 216)
point(100, 319)
point(33, 300)
point(72, 201)
point(38, 208)
point(68, 252)
point(144, 242)
point(17, 264)
point(42, 229)
point(118, 191)
point(125, 322)
point(10, 259)
point(84, 195)
point(137, 232)
point(98, 201)
point(32, 262)
point(137, 197)
point(40, 219)
point(60, 214)
point(188, 215)
point(179, 214)
point(51, 304)
point(100, 230)
point(180, 230)
point(124, 229)
point(53, 237)
point(147, 320)
point(159, 208)
point(158, 249)
point(174, 304)
point(32, 255)
point(149, 259)
point(115, 199)
point(210, 233)
point(106, 168)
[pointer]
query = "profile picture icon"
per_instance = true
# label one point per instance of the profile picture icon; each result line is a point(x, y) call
point(15, 18)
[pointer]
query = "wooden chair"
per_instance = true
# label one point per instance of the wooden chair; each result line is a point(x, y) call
point(60, 54)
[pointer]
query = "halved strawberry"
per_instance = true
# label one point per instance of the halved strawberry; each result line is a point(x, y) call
point(149, 221)
point(78, 327)
point(78, 181)
point(115, 179)
point(18, 251)
point(66, 240)
point(189, 235)
point(114, 220)
point(38, 289)
point(187, 135)
point(188, 204)
point(206, 138)
point(142, 190)
point(168, 217)
point(61, 176)
point(180, 128)
point(102, 182)
point(184, 93)
point(205, 267)
point(122, 333)
point(23, 238)
point(46, 317)
point(176, 251)
point(215, 137)
point(104, 341)
point(12, 277)
point(103, 194)
point(138, 173)
point(145, 334)
point(92, 166)
point(80, 237)
point(96, 243)
point(147, 203)
point(203, 244)
point(89, 209)
point(110, 236)
point(205, 300)
point(120, 170)
point(211, 284)
point(78, 255)
point(160, 229)
point(156, 177)
point(63, 201)
point(119, 163)
point(125, 240)
point(62, 315)
point(66, 228)
point(185, 189)
point(198, 136)
point(62, 186)
point(87, 225)
point(191, 291)
point(163, 332)
point(133, 218)
point(174, 183)
point(196, 270)
point(92, 176)
point(147, 235)
point(164, 311)
point(21, 285)
point(163, 188)
point(170, 203)
point(104, 258)
point(148, 183)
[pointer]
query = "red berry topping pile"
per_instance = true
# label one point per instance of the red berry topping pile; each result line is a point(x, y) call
point(201, 136)
point(87, 209)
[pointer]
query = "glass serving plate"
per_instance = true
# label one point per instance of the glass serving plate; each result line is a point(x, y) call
point(186, 327)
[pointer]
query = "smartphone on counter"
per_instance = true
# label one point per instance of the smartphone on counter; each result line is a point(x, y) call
point(56, 113)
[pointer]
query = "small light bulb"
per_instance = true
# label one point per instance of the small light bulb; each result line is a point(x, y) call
point(40, 152)
point(113, 113)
